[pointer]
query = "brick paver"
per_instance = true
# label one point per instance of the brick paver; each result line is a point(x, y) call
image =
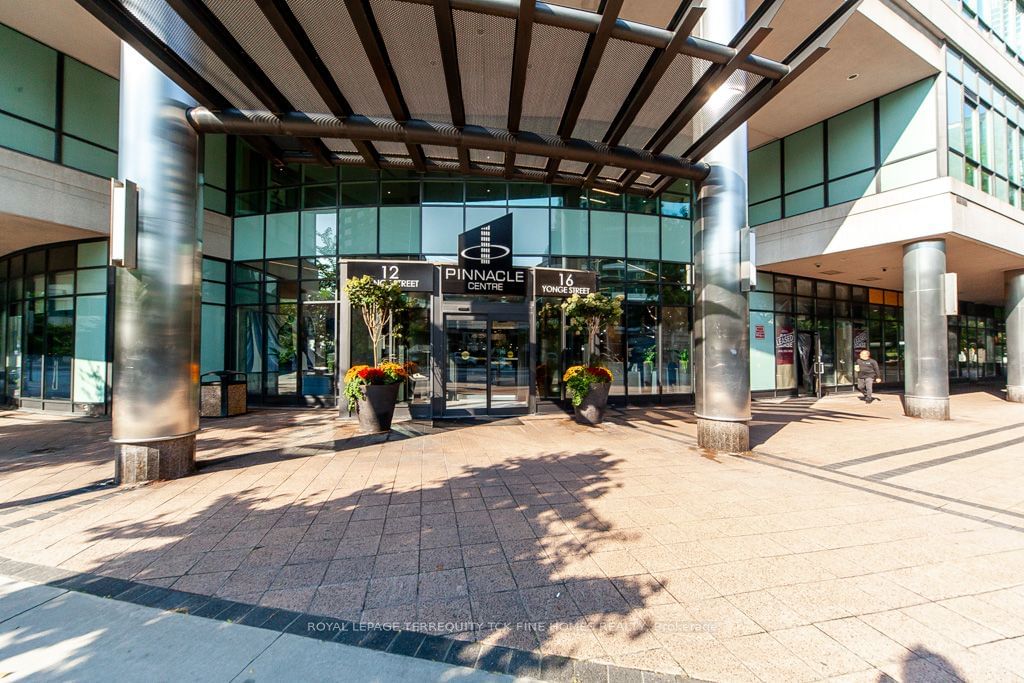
point(853, 542)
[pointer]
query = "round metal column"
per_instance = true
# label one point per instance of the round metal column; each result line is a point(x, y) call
point(926, 359)
point(1015, 336)
point(156, 323)
point(721, 317)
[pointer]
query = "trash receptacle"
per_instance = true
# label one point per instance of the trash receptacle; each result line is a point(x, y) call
point(223, 393)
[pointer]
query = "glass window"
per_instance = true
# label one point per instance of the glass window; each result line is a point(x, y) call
point(477, 216)
point(909, 171)
point(442, 192)
point(765, 212)
point(359, 194)
point(90, 104)
point(60, 347)
point(568, 196)
point(954, 115)
point(675, 240)
point(250, 167)
point(248, 238)
point(806, 200)
point(400, 192)
point(851, 141)
point(28, 78)
point(25, 137)
point(642, 349)
point(211, 351)
point(215, 160)
point(88, 158)
point(569, 232)
point(282, 235)
point(92, 280)
point(527, 194)
point(319, 196)
point(90, 349)
point(319, 231)
point(358, 231)
point(400, 230)
point(530, 231)
point(607, 234)
point(804, 159)
point(907, 121)
point(441, 229)
point(851, 188)
point(489, 194)
point(765, 172)
point(642, 234)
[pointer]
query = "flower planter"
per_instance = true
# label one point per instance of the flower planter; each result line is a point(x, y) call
point(376, 407)
point(591, 410)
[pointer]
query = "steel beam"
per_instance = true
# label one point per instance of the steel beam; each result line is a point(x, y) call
point(418, 132)
point(520, 65)
point(633, 32)
point(290, 30)
point(589, 64)
point(211, 31)
point(689, 15)
point(373, 44)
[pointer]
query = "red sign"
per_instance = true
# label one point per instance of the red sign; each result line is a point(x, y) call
point(758, 331)
point(784, 344)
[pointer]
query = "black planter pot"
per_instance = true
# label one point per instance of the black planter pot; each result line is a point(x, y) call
point(591, 410)
point(376, 407)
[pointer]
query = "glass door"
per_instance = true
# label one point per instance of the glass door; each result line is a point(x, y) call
point(487, 365)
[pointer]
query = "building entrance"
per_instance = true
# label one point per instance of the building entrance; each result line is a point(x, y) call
point(486, 363)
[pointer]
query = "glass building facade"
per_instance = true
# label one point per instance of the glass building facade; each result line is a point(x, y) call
point(54, 107)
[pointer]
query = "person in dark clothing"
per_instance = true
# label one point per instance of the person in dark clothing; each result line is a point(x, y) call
point(868, 374)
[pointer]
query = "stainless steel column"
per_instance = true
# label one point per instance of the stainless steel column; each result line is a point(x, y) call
point(721, 317)
point(926, 360)
point(156, 320)
point(1015, 336)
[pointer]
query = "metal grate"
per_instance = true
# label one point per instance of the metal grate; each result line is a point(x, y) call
point(485, 45)
point(621, 64)
point(330, 29)
point(531, 161)
point(392, 148)
point(249, 26)
point(704, 119)
point(164, 22)
point(339, 145)
point(481, 156)
point(440, 152)
point(577, 167)
point(670, 91)
point(611, 173)
point(555, 54)
point(410, 38)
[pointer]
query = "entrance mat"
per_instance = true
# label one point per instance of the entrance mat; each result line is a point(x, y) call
point(492, 659)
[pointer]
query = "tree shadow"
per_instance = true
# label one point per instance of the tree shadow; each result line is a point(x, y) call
point(502, 554)
point(921, 664)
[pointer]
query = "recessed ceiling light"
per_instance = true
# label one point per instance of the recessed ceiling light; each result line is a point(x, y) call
point(853, 77)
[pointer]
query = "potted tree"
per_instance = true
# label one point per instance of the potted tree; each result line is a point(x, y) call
point(588, 384)
point(372, 391)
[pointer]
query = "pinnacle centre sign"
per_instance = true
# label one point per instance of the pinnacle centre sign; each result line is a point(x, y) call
point(485, 263)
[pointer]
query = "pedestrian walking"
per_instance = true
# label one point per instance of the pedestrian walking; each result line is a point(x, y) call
point(868, 374)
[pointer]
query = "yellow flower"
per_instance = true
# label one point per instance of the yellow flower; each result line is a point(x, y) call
point(353, 371)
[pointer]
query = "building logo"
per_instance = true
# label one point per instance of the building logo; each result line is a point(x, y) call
point(487, 245)
point(485, 262)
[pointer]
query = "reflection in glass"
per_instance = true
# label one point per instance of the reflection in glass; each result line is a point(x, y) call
point(318, 359)
point(35, 345)
point(60, 345)
point(549, 341)
point(642, 349)
point(509, 364)
point(676, 369)
point(466, 355)
point(281, 350)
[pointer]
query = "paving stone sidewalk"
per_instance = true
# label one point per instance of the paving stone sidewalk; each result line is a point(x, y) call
point(852, 544)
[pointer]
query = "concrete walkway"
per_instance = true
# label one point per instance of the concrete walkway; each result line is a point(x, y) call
point(49, 634)
point(852, 544)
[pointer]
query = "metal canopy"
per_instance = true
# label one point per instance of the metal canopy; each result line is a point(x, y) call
point(507, 88)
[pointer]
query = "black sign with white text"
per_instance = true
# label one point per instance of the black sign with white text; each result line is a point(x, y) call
point(411, 276)
point(485, 263)
point(557, 282)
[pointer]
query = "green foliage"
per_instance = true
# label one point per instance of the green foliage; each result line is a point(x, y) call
point(579, 379)
point(378, 301)
point(591, 314)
